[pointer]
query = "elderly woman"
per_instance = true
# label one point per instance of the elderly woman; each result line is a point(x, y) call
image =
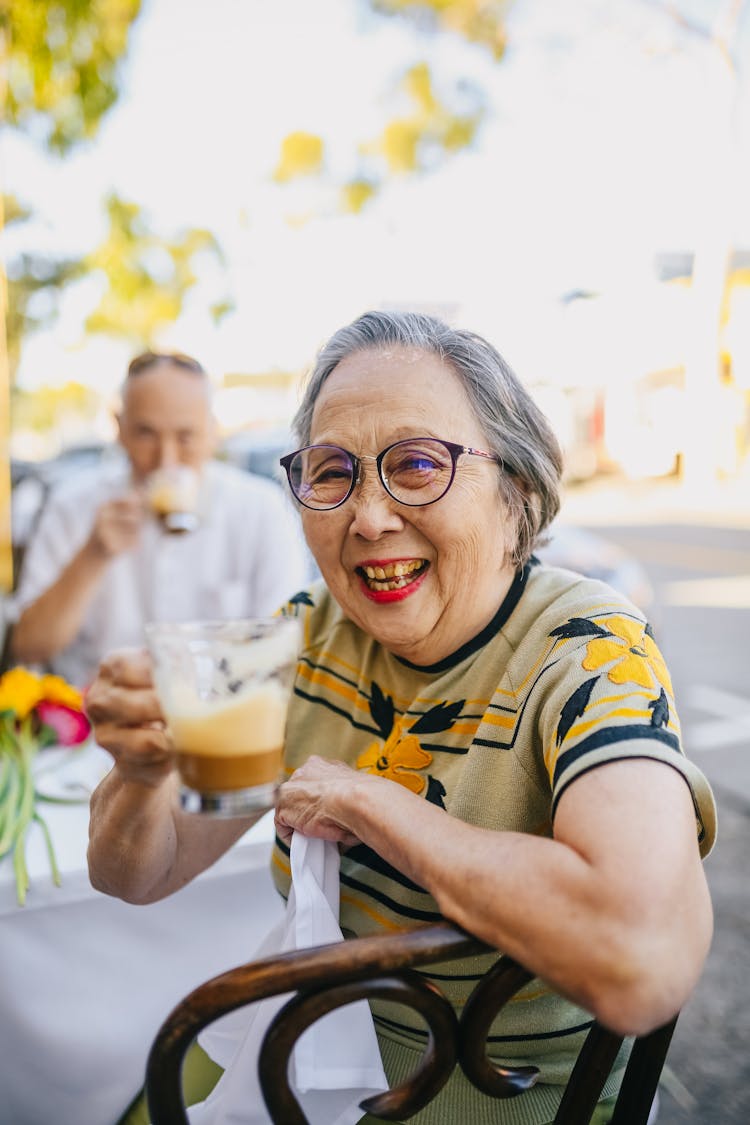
point(488, 739)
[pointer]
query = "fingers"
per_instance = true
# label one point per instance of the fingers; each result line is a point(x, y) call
point(127, 719)
point(314, 801)
point(123, 692)
point(128, 667)
point(122, 706)
point(117, 525)
point(146, 743)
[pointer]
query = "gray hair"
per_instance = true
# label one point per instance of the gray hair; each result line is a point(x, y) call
point(517, 431)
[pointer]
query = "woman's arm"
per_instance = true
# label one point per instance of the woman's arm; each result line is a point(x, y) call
point(613, 912)
point(142, 846)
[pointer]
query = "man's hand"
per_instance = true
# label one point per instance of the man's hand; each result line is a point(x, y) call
point(127, 719)
point(117, 526)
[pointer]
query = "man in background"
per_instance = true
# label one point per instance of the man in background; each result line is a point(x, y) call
point(99, 564)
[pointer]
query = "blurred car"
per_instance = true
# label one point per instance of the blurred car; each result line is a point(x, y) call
point(258, 451)
point(581, 550)
point(576, 414)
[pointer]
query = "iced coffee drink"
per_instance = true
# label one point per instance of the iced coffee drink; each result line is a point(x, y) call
point(172, 494)
point(224, 688)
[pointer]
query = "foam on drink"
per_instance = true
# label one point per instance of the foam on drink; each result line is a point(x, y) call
point(232, 742)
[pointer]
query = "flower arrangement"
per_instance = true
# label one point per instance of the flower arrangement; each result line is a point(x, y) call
point(36, 711)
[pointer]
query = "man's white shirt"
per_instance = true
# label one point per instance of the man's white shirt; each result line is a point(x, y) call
point(246, 558)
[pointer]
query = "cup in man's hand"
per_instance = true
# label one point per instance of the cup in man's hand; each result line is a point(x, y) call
point(172, 496)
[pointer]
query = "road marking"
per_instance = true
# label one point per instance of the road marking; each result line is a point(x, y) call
point(732, 592)
point(730, 723)
point(688, 556)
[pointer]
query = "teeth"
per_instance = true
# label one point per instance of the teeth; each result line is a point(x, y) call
point(394, 575)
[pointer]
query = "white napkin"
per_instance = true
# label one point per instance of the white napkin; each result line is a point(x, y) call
point(336, 1062)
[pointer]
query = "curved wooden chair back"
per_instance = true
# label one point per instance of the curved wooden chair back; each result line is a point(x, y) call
point(329, 976)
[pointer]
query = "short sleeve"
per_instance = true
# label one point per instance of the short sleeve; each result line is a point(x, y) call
point(609, 697)
point(55, 540)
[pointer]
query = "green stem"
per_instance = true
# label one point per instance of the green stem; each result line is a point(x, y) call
point(24, 808)
point(10, 808)
point(19, 865)
point(56, 877)
point(4, 771)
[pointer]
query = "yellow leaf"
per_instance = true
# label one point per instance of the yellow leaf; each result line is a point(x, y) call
point(356, 194)
point(301, 155)
point(418, 83)
point(399, 145)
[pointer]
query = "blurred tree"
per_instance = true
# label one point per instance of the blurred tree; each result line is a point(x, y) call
point(479, 21)
point(434, 125)
point(61, 59)
point(147, 276)
point(61, 63)
point(29, 277)
point(42, 409)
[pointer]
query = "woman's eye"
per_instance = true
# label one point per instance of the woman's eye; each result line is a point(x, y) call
point(415, 463)
point(420, 463)
point(332, 473)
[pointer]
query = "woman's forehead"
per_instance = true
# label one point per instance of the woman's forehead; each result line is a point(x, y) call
point(399, 383)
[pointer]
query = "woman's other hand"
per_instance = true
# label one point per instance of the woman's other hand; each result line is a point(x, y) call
point(127, 720)
point(318, 800)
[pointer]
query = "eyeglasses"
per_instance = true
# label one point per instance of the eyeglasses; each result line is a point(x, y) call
point(414, 472)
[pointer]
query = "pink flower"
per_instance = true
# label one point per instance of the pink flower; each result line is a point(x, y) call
point(70, 727)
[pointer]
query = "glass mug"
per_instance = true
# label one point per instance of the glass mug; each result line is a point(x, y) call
point(224, 688)
point(172, 496)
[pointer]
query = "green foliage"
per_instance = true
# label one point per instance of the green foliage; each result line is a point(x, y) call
point(432, 127)
point(63, 58)
point(28, 276)
point(148, 277)
point(478, 21)
point(41, 409)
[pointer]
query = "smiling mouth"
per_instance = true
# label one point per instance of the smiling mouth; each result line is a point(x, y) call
point(392, 576)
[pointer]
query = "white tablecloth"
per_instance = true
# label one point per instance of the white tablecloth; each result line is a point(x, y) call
point(86, 980)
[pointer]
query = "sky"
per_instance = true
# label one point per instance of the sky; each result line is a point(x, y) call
point(609, 138)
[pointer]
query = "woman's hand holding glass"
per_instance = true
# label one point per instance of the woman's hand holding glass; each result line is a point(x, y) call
point(127, 719)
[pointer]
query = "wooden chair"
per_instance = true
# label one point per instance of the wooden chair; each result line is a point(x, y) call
point(328, 976)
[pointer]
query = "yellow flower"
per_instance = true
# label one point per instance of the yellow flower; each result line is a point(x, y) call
point(400, 755)
point(637, 657)
point(57, 690)
point(35, 708)
point(20, 691)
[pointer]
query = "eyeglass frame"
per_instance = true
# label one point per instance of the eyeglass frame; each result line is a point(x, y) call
point(454, 449)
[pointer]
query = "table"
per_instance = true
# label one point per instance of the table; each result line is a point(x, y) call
point(86, 980)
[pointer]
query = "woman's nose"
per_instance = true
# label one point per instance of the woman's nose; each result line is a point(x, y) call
point(374, 511)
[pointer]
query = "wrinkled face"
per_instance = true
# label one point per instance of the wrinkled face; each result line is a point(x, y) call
point(166, 420)
point(422, 581)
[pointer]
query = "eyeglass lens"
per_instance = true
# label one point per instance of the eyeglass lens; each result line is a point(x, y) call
point(415, 472)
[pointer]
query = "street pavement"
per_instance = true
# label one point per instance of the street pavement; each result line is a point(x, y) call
point(694, 544)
